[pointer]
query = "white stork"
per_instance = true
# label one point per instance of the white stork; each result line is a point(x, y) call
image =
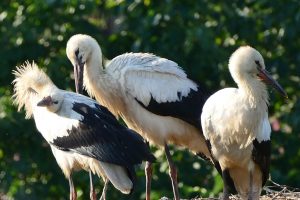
point(82, 134)
point(153, 95)
point(235, 121)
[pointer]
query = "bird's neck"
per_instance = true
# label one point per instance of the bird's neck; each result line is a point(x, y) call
point(95, 77)
point(254, 92)
point(92, 70)
point(100, 84)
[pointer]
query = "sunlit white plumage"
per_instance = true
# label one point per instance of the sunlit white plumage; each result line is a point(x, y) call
point(235, 120)
point(247, 122)
point(146, 75)
point(145, 90)
point(67, 122)
point(138, 76)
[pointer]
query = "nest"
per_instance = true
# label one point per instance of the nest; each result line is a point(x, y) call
point(274, 191)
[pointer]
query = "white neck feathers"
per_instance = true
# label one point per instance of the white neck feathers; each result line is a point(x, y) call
point(253, 90)
point(99, 83)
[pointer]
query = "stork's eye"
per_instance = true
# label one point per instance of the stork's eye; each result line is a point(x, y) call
point(258, 64)
point(32, 90)
point(77, 52)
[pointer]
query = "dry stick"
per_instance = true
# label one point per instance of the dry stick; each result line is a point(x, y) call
point(276, 184)
point(234, 197)
point(285, 190)
point(279, 193)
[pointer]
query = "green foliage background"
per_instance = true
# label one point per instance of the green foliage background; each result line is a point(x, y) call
point(198, 35)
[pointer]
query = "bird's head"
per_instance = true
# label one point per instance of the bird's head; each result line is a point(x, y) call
point(80, 50)
point(52, 101)
point(30, 82)
point(247, 63)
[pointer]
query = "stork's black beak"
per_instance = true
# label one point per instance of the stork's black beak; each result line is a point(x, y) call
point(78, 73)
point(46, 101)
point(265, 76)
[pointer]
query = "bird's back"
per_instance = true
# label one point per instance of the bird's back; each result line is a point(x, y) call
point(158, 85)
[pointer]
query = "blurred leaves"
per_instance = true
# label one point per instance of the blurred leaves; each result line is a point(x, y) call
point(198, 35)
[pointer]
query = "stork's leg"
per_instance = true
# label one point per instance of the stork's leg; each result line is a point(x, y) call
point(103, 195)
point(251, 186)
point(93, 195)
point(172, 172)
point(73, 194)
point(148, 173)
point(225, 177)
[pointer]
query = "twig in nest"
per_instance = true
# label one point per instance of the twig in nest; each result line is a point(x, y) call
point(279, 193)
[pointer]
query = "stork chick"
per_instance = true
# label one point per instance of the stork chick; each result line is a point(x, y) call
point(82, 134)
point(235, 121)
point(153, 95)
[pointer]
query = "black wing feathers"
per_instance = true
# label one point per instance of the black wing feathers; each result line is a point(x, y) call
point(261, 155)
point(99, 135)
point(188, 108)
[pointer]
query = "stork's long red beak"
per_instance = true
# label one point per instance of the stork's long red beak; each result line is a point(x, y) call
point(78, 75)
point(265, 76)
point(46, 101)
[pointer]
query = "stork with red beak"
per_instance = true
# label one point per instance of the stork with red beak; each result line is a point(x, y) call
point(235, 121)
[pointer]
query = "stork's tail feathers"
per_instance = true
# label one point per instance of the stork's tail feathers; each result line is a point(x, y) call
point(119, 177)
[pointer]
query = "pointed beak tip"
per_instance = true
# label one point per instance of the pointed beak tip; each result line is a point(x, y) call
point(267, 78)
point(45, 102)
point(283, 94)
point(41, 104)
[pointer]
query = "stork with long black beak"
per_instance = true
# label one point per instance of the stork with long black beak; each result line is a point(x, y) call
point(153, 95)
point(235, 121)
point(82, 134)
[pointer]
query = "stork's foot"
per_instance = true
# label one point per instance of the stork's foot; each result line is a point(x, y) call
point(148, 173)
